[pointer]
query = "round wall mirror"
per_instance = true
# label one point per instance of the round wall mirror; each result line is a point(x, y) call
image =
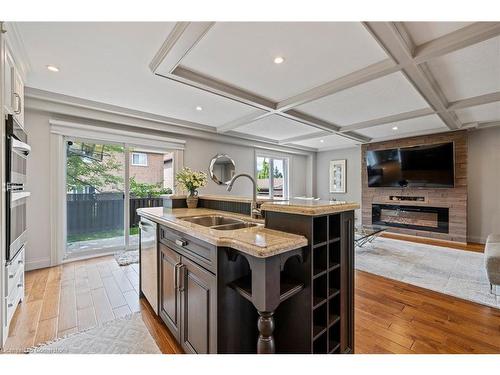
point(222, 169)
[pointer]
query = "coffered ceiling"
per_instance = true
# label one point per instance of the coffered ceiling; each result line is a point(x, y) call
point(338, 84)
point(242, 54)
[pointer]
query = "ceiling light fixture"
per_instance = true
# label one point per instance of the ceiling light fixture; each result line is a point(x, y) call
point(394, 128)
point(321, 140)
point(52, 68)
point(278, 60)
point(198, 108)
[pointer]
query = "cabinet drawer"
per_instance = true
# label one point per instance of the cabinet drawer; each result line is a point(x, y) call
point(197, 250)
point(14, 297)
point(13, 270)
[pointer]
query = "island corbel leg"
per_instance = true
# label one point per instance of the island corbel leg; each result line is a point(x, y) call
point(265, 324)
point(265, 298)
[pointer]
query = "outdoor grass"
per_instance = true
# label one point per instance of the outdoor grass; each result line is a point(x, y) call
point(100, 235)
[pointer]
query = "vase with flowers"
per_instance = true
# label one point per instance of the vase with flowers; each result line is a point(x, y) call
point(190, 181)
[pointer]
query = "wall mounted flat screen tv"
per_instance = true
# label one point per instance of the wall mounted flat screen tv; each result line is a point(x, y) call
point(427, 166)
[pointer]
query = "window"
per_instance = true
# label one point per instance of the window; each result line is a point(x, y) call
point(272, 177)
point(140, 159)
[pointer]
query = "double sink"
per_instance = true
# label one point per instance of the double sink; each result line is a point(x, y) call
point(219, 222)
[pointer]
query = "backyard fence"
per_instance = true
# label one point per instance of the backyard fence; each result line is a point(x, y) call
point(92, 213)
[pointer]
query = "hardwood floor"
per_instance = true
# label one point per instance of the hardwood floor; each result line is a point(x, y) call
point(79, 295)
point(394, 317)
point(391, 317)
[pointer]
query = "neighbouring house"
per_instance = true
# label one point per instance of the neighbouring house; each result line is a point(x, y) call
point(147, 167)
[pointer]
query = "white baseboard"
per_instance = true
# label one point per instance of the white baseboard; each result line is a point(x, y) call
point(37, 263)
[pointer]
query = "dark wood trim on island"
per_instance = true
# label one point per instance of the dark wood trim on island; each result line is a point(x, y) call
point(217, 299)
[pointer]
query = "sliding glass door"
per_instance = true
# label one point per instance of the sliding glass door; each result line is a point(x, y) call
point(95, 198)
point(105, 185)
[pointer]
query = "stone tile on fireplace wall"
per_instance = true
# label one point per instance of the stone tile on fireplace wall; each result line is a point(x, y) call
point(455, 199)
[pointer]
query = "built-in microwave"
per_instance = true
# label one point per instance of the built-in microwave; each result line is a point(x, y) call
point(16, 199)
point(17, 153)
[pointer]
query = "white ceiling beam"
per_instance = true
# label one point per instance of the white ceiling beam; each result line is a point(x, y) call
point(323, 125)
point(488, 124)
point(393, 38)
point(474, 101)
point(388, 119)
point(252, 137)
point(456, 40)
point(310, 120)
point(220, 88)
point(355, 137)
point(371, 72)
point(252, 117)
point(305, 137)
point(179, 42)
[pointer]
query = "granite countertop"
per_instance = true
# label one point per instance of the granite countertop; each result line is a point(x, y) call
point(256, 241)
point(309, 207)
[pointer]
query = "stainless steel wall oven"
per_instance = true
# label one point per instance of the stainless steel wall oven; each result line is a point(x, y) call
point(16, 200)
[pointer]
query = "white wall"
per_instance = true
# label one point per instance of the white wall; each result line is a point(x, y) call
point(353, 186)
point(38, 183)
point(197, 155)
point(353, 175)
point(199, 152)
point(483, 210)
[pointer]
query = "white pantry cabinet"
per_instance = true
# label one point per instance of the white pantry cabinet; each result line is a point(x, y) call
point(13, 87)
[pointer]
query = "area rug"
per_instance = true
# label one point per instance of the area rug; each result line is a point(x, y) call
point(454, 272)
point(126, 335)
point(125, 258)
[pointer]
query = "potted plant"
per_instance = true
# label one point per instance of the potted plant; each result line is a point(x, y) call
point(190, 181)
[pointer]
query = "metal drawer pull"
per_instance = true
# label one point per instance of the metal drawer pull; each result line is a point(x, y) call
point(181, 242)
point(176, 276)
point(20, 261)
point(10, 305)
point(11, 276)
point(182, 267)
point(19, 285)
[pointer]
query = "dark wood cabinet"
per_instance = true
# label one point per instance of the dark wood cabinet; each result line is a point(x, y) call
point(347, 283)
point(211, 298)
point(326, 321)
point(188, 301)
point(169, 291)
point(198, 309)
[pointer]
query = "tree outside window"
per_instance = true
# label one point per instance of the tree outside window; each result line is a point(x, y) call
point(271, 184)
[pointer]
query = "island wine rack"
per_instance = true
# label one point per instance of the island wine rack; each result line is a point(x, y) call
point(323, 310)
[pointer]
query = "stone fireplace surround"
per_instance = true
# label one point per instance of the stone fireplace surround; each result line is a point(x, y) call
point(453, 199)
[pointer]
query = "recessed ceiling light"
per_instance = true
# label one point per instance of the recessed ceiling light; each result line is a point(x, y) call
point(198, 108)
point(278, 60)
point(321, 140)
point(52, 68)
point(394, 128)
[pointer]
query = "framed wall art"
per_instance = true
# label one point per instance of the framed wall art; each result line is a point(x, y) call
point(338, 176)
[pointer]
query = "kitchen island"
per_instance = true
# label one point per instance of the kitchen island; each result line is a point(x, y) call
point(283, 285)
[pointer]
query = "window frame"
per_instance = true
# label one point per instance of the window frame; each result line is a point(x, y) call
point(139, 164)
point(286, 174)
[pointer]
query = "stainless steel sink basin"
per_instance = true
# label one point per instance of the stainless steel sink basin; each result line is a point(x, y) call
point(219, 222)
point(212, 220)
